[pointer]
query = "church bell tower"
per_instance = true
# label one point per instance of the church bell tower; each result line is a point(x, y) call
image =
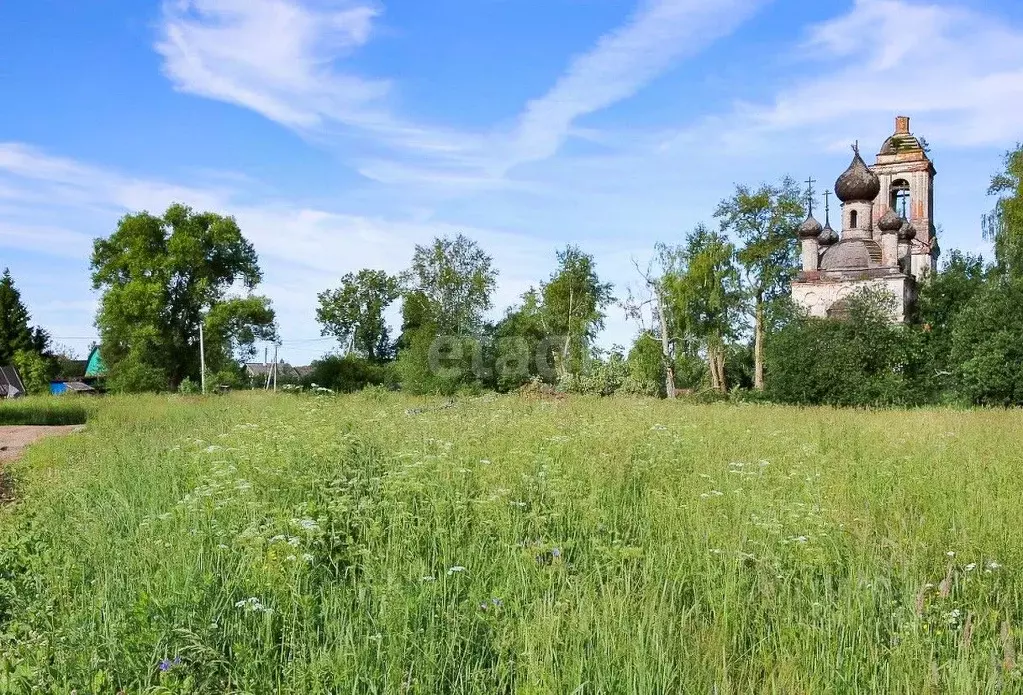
point(906, 175)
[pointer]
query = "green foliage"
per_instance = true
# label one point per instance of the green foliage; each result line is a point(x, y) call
point(1004, 225)
point(189, 387)
point(348, 373)
point(134, 375)
point(15, 332)
point(646, 365)
point(161, 277)
point(765, 222)
point(703, 293)
point(863, 359)
point(942, 298)
point(451, 282)
point(35, 370)
point(354, 312)
point(45, 411)
point(573, 305)
point(388, 544)
point(987, 345)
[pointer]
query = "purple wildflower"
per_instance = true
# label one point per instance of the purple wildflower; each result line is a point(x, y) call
point(556, 553)
point(165, 665)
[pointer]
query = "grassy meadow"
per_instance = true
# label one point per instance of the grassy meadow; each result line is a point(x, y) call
point(378, 543)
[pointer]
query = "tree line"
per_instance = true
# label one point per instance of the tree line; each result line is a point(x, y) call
point(712, 311)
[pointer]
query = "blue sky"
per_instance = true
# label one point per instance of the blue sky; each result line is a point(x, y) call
point(342, 132)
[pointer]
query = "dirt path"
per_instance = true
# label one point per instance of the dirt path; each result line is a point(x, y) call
point(13, 440)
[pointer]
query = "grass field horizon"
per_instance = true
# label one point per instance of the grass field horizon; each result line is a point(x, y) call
point(379, 543)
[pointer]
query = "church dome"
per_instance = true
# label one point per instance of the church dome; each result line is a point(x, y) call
point(890, 222)
point(858, 183)
point(828, 236)
point(852, 254)
point(809, 229)
point(906, 231)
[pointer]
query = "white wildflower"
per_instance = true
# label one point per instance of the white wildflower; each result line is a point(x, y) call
point(456, 569)
point(972, 566)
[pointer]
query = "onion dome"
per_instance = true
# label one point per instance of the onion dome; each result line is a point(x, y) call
point(852, 254)
point(858, 183)
point(828, 236)
point(907, 231)
point(890, 222)
point(809, 229)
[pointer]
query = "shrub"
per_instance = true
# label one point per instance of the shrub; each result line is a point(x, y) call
point(348, 374)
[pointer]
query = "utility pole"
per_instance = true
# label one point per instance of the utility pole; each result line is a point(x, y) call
point(202, 359)
point(275, 368)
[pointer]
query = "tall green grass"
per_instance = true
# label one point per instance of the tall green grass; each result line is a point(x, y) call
point(380, 544)
point(45, 410)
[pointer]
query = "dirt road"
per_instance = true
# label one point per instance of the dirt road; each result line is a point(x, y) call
point(13, 440)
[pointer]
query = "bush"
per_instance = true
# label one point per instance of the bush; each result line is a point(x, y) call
point(348, 374)
point(987, 346)
point(132, 375)
point(863, 359)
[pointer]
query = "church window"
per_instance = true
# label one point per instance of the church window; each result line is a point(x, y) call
point(852, 219)
point(899, 198)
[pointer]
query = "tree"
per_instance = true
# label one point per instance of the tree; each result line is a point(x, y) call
point(161, 278)
point(987, 344)
point(520, 344)
point(15, 333)
point(454, 279)
point(1004, 225)
point(703, 294)
point(942, 298)
point(574, 301)
point(862, 359)
point(764, 220)
point(354, 313)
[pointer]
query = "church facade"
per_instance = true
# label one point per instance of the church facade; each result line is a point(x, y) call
point(887, 237)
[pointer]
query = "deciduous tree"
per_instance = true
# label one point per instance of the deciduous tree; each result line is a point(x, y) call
point(354, 313)
point(163, 276)
point(574, 300)
point(764, 220)
point(454, 278)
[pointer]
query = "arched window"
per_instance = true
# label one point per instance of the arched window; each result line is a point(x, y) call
point(852, 219)
point(899, 198)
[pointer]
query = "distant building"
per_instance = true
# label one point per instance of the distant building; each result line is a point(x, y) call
point(80, 376)
point(888, 236)
point(10, 383)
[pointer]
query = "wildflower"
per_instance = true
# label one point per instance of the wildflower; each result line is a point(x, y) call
point(456, 569)
point(306, 524)
point(992, 565)
point(556, 553)
point(428, 578)
point(252, 605)
point(972, 566)
point(520, 505)
point(165, 665)
point(951, 553)
point(307, 557)
point(716, 551)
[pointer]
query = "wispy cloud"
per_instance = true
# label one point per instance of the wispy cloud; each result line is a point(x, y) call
point(960, 69)
point(659, 34)
point(275, 57)
point(285, 60)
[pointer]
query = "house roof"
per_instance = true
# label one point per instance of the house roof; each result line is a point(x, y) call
point(10, 383)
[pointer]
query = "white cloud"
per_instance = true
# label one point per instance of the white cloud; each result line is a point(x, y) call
point(959, 69)
point(659, 34)
point(272, 56)
point(284, 60)
point(302, 250)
